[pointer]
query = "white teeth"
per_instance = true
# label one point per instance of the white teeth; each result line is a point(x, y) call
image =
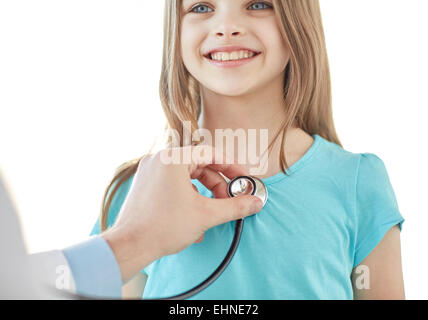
point(235, 55)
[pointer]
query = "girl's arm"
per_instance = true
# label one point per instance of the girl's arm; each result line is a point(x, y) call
point(134, 288)
point(385, 276)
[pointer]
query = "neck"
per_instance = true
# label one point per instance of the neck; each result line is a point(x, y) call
point(263, 109)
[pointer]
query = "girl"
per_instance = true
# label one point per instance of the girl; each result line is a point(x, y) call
point(331, 226)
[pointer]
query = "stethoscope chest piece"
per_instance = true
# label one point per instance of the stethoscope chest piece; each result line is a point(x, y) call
point(248, 185)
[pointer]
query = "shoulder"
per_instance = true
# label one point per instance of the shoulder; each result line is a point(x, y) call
point(356, 160)
point(370, 190)
point(335, 159)
point(358, 171)
point(123, 189)
point(118, 198)
point(370, 163)
point(115, 205)
point(373, 179)
point(362, 178)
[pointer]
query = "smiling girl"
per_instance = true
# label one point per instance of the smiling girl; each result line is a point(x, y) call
point(243, 64)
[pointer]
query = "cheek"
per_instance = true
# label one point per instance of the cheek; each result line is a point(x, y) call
point(190, 44)
point(277, 50)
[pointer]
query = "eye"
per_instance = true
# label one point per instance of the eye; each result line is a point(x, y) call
point(259, 5)
point(200, 6)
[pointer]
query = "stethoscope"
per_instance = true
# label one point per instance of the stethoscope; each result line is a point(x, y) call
point(235, 187)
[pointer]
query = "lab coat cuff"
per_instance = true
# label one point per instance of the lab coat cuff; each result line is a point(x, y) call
point(95, 270)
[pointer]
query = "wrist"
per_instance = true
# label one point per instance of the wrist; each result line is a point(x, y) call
point(132, 254)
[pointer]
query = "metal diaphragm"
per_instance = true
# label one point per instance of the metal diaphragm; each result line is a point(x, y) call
point(248, 185)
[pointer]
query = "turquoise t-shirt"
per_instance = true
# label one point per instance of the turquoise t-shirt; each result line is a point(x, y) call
point(319, 222)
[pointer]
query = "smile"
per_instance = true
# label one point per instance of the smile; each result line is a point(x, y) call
point(231, 59)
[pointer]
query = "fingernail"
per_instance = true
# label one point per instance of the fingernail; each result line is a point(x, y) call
point(257, 205)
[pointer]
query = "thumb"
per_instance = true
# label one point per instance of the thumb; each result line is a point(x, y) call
point(229, 209)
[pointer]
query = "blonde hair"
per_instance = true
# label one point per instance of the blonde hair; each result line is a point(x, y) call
point(307, 87)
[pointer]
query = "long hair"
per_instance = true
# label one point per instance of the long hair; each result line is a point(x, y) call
point(307, 87)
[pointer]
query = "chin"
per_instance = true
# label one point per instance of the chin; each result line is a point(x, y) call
point(230, 90)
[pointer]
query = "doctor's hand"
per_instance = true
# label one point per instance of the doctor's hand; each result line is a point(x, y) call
point(163, 212)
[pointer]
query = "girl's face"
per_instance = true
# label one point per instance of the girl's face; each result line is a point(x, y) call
point(212, 24)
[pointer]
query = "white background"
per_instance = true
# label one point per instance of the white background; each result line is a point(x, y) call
point(79, 96)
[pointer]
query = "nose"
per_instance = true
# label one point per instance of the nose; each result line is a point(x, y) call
point(229, 26)
point(227, 34)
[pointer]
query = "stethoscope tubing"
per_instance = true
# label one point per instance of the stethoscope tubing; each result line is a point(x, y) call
point(239, 226)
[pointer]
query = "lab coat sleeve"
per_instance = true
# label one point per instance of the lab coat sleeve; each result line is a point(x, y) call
point(53, 270)
point(94, 269)
point(88, 269)
point(17, 279)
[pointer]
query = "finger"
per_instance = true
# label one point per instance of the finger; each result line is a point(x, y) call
point(220, 211)
point(212, 180)
point(216, 161)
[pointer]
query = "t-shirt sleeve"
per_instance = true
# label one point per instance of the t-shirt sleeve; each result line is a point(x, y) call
point(376, 206)
point(115, 207)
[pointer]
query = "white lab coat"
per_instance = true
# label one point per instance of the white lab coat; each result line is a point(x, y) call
point(24, 276)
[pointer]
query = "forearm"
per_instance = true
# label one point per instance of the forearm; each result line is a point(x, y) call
point(130, 258)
